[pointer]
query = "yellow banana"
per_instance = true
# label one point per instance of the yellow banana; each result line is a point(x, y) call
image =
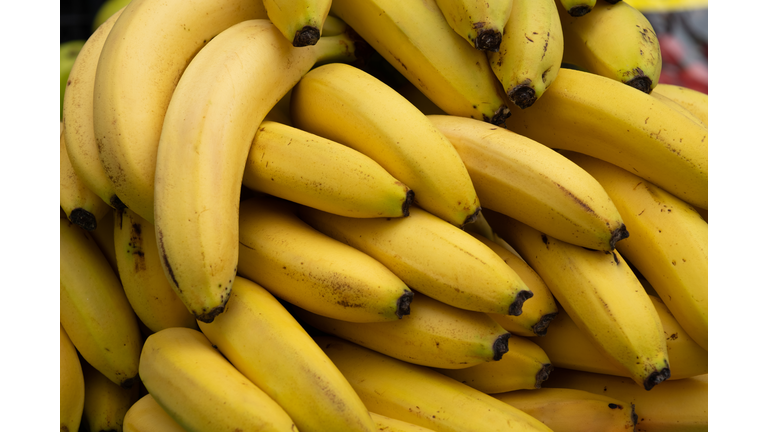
point(602, 295)
point(615, 41)
point(300, 21)
point(525, 366)
point(571, 410)
point(433, 257)
point(694, 101)
point(418, 99)
point(211, 121)
point(142, 61)
point(531, 51)
point(668, 245)
point(530, 182)
point(600, 117)
point(147, 415)
point(201, 390)
point(267, 345)
point(104, 236)
point(420, 395)
point(388, 424)
point(94, 310)
point(434, 334)
point(677, 106)
point(479, 22)
point(302, 167)
point(577, 8)
point(300, 265)
point(345, 104)
point(416, 39)
point(71, 385)
point(105, 402)
point(81, 205)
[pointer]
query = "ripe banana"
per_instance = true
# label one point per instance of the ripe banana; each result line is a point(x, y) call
point(71, 385)
point(78, 116)
point(614, 40)
point(388, 424)
point(147, 415)
point(300, 265)
point(602, 295)
point(694, 101)
point(479, 22)
point(301, 22)
point(302, 167)
point(211, 121)
point(419, 395)
point(267, 345)
point(345, 104)
point(142, 61)
point(93, 308)
point(201, 390)
point(677, 106)
point(564, 409)
point(525, 366)
point(432, 257)
point(530, 182)
point(141, 273)
point(668, 245)
point(577, 8)
point(82, 207)
point(605, 119)
point(531, 51)
point(104, 236)
point(105, 402)
point(416, 39)
point(434, 334)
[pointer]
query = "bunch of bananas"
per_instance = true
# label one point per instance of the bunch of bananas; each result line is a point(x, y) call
point(260, 232)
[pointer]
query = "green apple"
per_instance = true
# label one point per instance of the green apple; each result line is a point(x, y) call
point(107, 9)
point(69, 52)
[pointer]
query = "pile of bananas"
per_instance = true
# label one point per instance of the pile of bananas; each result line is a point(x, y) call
point(261, 232)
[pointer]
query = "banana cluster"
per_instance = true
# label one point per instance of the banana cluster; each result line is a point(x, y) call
point(363, 215)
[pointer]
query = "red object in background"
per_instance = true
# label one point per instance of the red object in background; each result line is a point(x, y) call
point(683, 41)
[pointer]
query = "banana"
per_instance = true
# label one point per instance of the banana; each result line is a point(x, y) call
point(388, 424)
point(302, 167)
point(105, 402)
point(525, 366)
point(432, 257)
point(564, 409)
point(568, 347)
point(678, 405)
point(577, 8)
point(531, 51)
point(418, 99)
point(302, 266)
point(141, 273)
point(694, 101)
point(615, 41)
point(530, 182)
point(600, 117)
point(479, 22)
point(71, 385)
point(81, 205)
point(679, 107)
point(141, 63)
point(94, 310)
point(104, 236)
point(267, 345)
point(301, 22)
point(347, 105)
point(602, 295)
point(416, 39)
point(78, 116)
point(668, 245)
point(434, 334)
point(420, 395)
point(147, 415)
point(201, 390)
point(211, 121)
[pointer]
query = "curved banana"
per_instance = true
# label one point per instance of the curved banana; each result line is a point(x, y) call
point(81, 205)
point(694, 101)
point(416, 39)
point(668, 245)
point(615, 41)
point(577, 8)
point(308, 169)
point(94, 310)
point(347, 105)
point(201, 390)
point(600, 117)
point(105, 402)
point(267, 345)
point(420, 395)
point(71, 385)
point(217, 106)
point(530, 182)
point(679, 107)
point(525, 366)
point(142, 61)
point(301, 22)
point(531, 51)
point(432, 257)
point(388, 424)
point(602, 295)
point(304, 267)
point(146, 414)
point(564, 409)
point(479, 22)
point(434, 334)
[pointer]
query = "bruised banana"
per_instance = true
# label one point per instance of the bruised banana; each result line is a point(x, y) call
point(105, 402)
point(81, 205)
point(480, 22)
point(146, 414)
point(300, 21)
point(71, 384)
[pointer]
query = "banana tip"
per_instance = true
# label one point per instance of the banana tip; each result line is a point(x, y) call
point(472, 218)
point(516, 308)
point(306, 36)
point(409, 197)
point(404, 304)
point(523, 96)
point(655, 378)
point(488, 40)
point(641, 82)
point(618, 234)
point(129, 382)
point(501, 346)
point(83, 218)
point(578, 11)
point(543, 374)
point(540, 328)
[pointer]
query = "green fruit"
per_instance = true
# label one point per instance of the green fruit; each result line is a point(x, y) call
point(69, 52)
point(107, 9)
